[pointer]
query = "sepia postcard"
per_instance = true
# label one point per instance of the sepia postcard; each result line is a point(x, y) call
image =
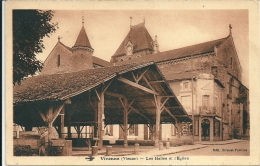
point(131, 82)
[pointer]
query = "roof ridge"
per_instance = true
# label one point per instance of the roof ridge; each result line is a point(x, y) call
point(142, 24)
point(65, 46)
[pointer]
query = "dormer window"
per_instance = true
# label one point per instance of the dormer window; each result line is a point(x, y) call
point(58, 60)
point(129, 48)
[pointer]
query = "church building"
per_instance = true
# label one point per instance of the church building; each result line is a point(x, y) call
point(64, 59)
point(206, 78)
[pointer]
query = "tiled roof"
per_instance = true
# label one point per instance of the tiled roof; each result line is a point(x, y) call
point(82, 39)
point(178, 53)
point(101, 62)
point(139, 36)
point(63, 86)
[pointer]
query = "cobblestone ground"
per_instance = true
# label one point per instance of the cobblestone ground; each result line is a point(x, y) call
point(234, 149)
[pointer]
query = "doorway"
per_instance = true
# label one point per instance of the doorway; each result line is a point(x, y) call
point(205, 127)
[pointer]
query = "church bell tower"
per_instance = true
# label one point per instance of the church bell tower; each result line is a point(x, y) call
point(82, 51)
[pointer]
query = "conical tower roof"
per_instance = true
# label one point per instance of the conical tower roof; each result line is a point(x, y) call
point(82, 40)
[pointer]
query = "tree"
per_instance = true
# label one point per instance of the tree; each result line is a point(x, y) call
point(29, 29)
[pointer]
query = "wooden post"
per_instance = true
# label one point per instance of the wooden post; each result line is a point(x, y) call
point(61, 127)
point(125, 124)
point(78, 130)
point(101, 115)
point(157, 124)
point(69, 126)
point(49, 124)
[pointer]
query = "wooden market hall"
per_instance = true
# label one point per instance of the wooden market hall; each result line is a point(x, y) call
point(128, 94)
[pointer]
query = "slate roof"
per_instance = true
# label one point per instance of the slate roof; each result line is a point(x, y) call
point(139, 36)
point(82, 39)
point(63, 86)
point(178, 53)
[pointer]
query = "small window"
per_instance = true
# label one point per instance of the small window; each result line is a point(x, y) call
point(58, 62)
point(133, 130)
point(205, 102)
point(185, 85)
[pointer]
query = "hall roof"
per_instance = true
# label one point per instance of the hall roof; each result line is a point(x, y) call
point(137, 83)
point(139, 36)
point(201, 48)
point(63, 86)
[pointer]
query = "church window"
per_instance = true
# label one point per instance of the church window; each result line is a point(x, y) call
point(58, 62)
point(231, 62)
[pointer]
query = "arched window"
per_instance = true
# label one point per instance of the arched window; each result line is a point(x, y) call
point(231, 62)
point(58, 62)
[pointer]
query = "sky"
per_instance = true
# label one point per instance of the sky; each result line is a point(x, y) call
point(106, 29)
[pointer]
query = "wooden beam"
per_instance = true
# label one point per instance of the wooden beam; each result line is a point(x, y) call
point(159, 81)
point(126, 81)
point(140, 77)
point(135, 110)
point(121, 127)
point(56, 113)
point(42, 115)
point(118, 95)
point(97, 94)
point(169, 96)
point(147, 82)
point(173, 107)
point(162, 104)
point(129, 126)
point(169, 112)
point(105, 88)
point(134, 76)
point(182, 116)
